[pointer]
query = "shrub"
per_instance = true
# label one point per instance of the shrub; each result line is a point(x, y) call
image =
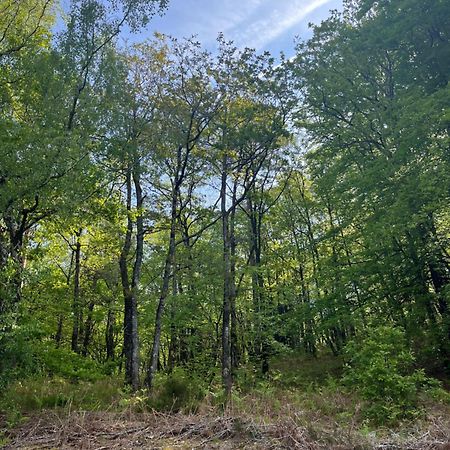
point(177, 391)
point(381, 368)
point(69, 365)
point(24, 353)
point(17, 358)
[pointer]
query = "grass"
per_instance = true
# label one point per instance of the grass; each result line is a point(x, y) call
point(300, 370)
point(320, 413)
point(28, 397)
point(35, 394)
point(304, 399)
point(301, 404)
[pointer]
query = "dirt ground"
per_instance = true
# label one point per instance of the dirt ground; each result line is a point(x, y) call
point(107, 430)
point(101, 431)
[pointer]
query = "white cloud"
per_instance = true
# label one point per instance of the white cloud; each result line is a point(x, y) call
point(249, 23)
point(274, 22)
point(224, 16)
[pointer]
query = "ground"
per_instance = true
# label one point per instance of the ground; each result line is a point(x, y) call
point(102, 430)
point(108, 430)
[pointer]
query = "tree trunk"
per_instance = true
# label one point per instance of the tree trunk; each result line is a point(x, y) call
point(16, 236)
point(261, 346)
point(109, 334)
point(234, 345)
point(227, 378)
point(88, 328)
point(134, 353)
point(59, 330)
point(173, 350)
point(76, 305)
point(130, 342)
point(153, 366)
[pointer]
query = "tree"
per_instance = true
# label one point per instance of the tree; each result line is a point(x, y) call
point(24, 26)
point(248, 131)
point(188, 106)
point(50, 116)
point(379, 155)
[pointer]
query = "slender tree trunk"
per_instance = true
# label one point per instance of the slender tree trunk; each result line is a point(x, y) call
point(180, 173)
point(76, 305)
point(109, 333)
point(168, 265)
point(16, 237)
point(16, 229)
point(130, 349)
point(227, 378)
point(136, 277)
point(234, 344)
point(59, 331)
point(261, 345)
point(68, 275)
point(88, 328)
point(418, 269)
point(89, 325)
point(3, 251)
point(437, 262)
point(173, 350)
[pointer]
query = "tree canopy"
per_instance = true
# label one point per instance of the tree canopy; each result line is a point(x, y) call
point(164, 206)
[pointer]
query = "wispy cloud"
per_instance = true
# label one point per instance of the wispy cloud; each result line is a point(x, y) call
point(249, 23)
point(270, 24)
point(208, 18)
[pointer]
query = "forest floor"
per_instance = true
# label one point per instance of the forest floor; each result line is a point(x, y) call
point(104, 430)
point(300, 408)
point(152, 431)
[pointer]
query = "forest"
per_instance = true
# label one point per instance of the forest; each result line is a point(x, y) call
point(227, 248)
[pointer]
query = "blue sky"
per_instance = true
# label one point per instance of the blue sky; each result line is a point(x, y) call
point(269, 25)
point(262, 24)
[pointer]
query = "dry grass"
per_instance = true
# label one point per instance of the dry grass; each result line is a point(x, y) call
point(100, 431)
point(308, 417)
point(239, 428)
point(322, 420)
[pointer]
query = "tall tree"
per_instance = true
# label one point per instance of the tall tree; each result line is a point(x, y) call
point(248, 130)
point(375, 120)
point(188, 106)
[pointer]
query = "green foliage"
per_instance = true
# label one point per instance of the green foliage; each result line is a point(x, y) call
point(67, 364)
point(37, 393)
point(22, 355)
point(24, 25)
point(18, 357)
point(381, 368)
point(301, 370)
point(374, 87)
point(177, 391)
point(355, 230)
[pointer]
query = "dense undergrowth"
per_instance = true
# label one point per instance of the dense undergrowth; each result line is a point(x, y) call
point(374, 386)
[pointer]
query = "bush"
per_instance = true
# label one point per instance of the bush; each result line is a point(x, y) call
point(177, 391)
point(24, 353)
point(69, 365)
point(381, 368)
point(17, 357)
